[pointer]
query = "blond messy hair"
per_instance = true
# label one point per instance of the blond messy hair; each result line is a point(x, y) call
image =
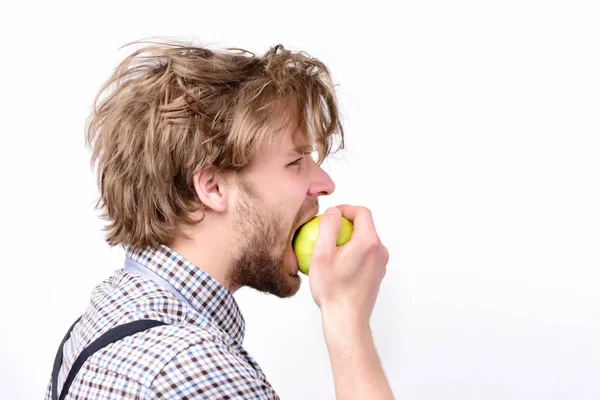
point(171, 109)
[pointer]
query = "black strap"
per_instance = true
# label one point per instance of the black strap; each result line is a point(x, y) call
point(58, 361)
point(113, 335)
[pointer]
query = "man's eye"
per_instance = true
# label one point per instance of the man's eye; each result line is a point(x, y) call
point(297, 162)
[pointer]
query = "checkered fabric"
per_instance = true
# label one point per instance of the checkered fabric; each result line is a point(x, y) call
point(199, 355)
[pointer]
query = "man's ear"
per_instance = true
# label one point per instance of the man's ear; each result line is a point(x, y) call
point(212, 188)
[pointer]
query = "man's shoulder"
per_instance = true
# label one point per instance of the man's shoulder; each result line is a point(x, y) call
point(208, 366)
point(168, 359)
point(191, 354)
point(141, 357)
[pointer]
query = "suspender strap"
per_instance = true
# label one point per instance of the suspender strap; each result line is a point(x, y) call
point(58, 362)
point(113, 335)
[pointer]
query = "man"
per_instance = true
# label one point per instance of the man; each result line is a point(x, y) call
point(206, 170)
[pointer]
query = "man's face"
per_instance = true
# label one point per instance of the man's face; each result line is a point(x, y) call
point(277, 194)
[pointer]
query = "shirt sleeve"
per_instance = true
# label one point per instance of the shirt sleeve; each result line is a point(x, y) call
point(211, 371)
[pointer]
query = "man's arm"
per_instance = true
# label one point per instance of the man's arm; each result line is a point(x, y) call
point(345, 283)
point(357, 370)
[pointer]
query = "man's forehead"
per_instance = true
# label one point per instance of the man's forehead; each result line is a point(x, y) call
point(293, 141)
point(300, 144)
point(285, 144)
point(289, 137)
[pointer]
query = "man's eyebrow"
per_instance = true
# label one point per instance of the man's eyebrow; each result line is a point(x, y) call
point(298, 151)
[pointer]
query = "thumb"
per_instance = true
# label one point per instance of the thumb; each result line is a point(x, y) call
point(329, 227)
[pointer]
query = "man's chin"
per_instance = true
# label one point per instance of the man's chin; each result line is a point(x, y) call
point(284, 281)
point(291, 286)
point(258, 269)
point(284, 287)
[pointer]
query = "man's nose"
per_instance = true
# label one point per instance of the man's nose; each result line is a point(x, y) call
point(322, 184)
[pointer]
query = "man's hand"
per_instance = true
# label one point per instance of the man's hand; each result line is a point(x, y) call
point(344, 282)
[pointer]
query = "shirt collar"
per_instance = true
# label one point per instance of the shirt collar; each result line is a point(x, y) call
point(202, 291)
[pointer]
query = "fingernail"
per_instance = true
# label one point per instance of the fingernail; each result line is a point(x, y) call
point(331, 210)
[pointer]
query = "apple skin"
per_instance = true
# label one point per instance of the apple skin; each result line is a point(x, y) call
point(306, 237)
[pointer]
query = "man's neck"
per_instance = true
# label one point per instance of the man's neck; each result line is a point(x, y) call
point(208, 245)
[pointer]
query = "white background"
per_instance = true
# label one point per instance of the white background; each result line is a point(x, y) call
point(472, 135)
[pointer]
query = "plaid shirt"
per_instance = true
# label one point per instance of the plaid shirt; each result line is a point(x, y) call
point(199, 355)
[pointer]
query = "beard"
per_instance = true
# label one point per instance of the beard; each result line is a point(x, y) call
point(262, 242)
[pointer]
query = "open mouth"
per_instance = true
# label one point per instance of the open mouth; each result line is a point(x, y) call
point(293, 260)
point(297, 228)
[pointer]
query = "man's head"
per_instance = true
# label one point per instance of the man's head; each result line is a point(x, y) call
point(210, 152)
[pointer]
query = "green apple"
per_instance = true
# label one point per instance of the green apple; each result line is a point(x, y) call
point(306, 237)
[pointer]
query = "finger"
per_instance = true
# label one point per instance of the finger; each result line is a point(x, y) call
point(361, 218)
point(329, 227)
